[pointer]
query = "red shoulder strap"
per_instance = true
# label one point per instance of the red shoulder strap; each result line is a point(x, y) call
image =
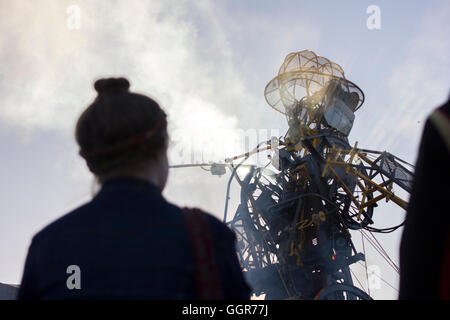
point(207, 280)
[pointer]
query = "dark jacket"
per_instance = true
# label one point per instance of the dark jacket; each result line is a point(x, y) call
point(129, 243)
point(425, 244)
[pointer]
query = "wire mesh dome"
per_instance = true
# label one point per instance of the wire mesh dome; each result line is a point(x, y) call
point(306, 74)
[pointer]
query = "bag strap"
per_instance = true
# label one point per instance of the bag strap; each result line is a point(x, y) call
point(206, 275)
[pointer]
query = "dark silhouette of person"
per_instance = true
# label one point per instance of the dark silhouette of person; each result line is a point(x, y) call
point(425, 243)
point(129, 242)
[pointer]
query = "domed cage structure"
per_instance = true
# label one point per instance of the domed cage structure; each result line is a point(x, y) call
point(314, 89)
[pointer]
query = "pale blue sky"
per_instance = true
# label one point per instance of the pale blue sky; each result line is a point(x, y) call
point(207, 62)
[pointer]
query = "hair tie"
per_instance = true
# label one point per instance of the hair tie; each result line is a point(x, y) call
point(137, 139)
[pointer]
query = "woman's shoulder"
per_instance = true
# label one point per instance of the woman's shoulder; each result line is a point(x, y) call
point(61, 225)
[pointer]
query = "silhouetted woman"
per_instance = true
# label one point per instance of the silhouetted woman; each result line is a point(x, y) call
point(129, 242)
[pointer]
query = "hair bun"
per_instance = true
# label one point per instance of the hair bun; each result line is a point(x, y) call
point(112, 85)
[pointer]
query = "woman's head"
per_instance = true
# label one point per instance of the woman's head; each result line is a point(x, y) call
point(123, 134)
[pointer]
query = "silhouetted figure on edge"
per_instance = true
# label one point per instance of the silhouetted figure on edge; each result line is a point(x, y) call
point(129, 242)
point(425, 245)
